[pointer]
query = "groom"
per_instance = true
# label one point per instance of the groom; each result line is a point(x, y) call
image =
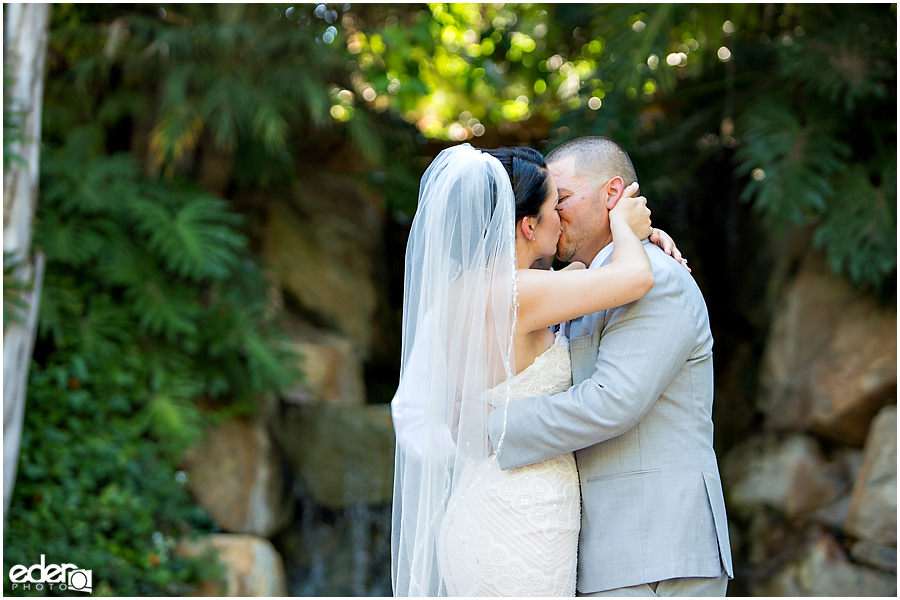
point(639, 416)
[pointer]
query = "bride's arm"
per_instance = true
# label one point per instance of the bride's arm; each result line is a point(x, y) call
point(550, 297)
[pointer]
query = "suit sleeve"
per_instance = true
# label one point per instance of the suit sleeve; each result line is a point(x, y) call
point(644, 345)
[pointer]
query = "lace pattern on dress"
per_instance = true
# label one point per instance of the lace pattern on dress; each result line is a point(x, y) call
point(515, 532)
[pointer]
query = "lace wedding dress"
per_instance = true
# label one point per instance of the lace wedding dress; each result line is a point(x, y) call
point(515, 532)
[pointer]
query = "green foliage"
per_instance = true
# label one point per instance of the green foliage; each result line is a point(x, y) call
point(226, 74)
point(791, 166)
point(799, 95)
point(152, 306)
point(454, 69)
point(94, 490)
point(859, 230)
point(145, 264)
point(849, 62)
point(801, 99)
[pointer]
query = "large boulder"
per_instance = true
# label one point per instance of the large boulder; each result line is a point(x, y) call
point(872, 514)
point(332, 370)
point(847, 460)
point(344, 456)
point(883, 558)
point(321, 243)
point(253, 567)
point(767, 535)
point(791, 476)
point(831, 357)
point(822, 569)
point(236, 474)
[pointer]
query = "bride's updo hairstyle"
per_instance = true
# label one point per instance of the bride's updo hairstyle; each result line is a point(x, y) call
point(528, 174)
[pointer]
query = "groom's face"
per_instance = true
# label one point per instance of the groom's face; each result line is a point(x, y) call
point(584, 218)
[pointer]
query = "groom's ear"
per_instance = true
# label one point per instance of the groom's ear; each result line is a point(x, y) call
point(612, 190)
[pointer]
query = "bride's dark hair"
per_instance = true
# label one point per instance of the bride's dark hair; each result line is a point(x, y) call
point(528, 174)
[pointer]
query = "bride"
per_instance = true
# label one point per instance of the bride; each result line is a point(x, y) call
point(477, 334)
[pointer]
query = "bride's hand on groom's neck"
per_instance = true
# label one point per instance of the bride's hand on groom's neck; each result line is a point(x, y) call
point(631, 211)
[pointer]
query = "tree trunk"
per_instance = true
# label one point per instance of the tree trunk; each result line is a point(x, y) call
point(24, 50)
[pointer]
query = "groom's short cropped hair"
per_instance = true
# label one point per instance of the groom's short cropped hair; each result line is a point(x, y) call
point(597, 159)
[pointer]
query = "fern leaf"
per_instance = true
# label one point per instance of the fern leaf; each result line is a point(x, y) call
point(315, 97)
point(167, 416)
point(176, 135)
point(859, 231)
point(103, 184)
point(793, 163)
point(69, 241)
point(175, 86)
point(196, 240)
point(120, 104)
point(270, 126)
point(265, 366)
point(163, 308)
point(844, 64)
point(86, 141)
point(60, 306)
point(104, 329)
point(225, 108)
point(164, 312)
point(366, 138)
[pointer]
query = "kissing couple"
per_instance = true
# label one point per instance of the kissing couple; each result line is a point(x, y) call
point(554, 428)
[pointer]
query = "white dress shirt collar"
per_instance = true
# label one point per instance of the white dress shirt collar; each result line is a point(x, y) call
point(601, 256)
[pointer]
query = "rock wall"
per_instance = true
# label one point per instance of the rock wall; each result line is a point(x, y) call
point(831, 358)
point(252, 565)
point(812, 498)
point(322, 242)
point(235, 473)
point(314, 471)
point(331, 367)
point(343, 456)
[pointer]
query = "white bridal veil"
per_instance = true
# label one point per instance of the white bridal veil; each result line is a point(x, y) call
point(459, 313)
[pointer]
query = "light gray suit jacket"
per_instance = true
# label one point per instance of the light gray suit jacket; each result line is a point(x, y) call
point(639, 418)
